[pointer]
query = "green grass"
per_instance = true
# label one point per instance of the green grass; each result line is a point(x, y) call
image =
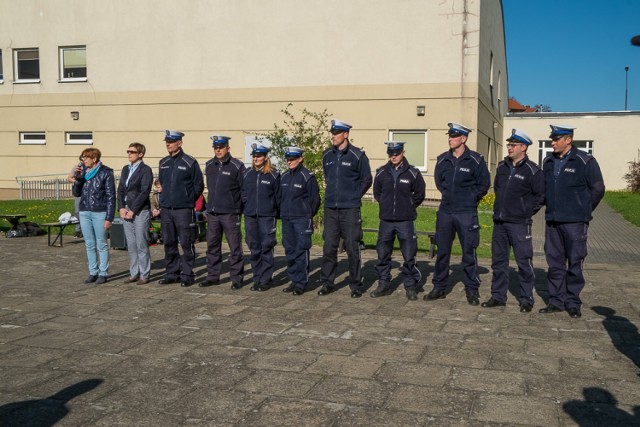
point(625, 203)
point(41, 211)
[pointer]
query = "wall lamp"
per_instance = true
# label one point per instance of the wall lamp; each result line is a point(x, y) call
point(420, 110)
point(75, 115)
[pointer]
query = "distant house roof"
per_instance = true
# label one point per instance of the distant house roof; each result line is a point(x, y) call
point(516, 107)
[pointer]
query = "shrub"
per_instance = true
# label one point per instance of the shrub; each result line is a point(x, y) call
point(633, 176)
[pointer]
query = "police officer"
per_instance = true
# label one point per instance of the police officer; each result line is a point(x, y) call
point(348, 177)
point(399, 188)
point(462, 177)
point(573, 188)
point(299, 201)
point(224, 185)
point(519, 190)
point(182, 184)
point(260, 187)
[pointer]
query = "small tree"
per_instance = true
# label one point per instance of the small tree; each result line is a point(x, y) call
point(633, 176)
point(309, 132)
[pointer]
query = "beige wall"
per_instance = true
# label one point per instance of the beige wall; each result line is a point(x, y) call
point(229, 67)
point(613, 135)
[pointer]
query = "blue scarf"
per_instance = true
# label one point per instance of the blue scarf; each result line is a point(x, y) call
point(92, 172)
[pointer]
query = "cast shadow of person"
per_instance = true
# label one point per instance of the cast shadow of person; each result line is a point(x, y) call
point(44, 412)
point(599, 408)
point(623, 333)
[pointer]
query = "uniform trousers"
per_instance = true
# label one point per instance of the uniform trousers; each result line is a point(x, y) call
point(229, 224)
point(178, 227)
point(345, 223)
point(260, 235)
point(137, 234)
point(466, 226)
point(565, 248)
point(406, 232)
point(296, 239)
point(517, 236)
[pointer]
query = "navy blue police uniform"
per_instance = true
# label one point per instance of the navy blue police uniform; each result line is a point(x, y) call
point(399, 191)
point(224, 207)
point(182, 184)
point(299, 201)
point(463, 181)
point(347, 176)
point(519, 191)
point(259, 194)
point(573, 188)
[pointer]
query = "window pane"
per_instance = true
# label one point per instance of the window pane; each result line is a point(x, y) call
point(1, 73)
point(32, 138)
point(414, 147)
point(74, 63)
point(80, 138)
point(28, 64)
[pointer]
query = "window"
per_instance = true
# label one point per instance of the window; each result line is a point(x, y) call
point(73, 64)
point(33, 138)
point(79, 138)
point(26, 65)
point(546, 149)
point(1, 73)
point(415, 147)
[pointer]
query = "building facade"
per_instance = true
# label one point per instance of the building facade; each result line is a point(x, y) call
point(76, 73)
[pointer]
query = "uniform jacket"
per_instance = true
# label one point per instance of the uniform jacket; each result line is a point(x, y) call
point(98, 194)
point(519, 191)
point(259, 192)
point(347, 174)
point(135, 195)
point(181, 180)
point(224, 184)
point(463, 182)
point(398, 195)
point(299, 194)
point(575, 193)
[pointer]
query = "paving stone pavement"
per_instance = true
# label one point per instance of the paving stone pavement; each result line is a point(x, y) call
point(118, 354)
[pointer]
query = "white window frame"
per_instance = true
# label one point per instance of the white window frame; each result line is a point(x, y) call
point(29, 138)
point(425, 166)
point(1, 69)
point(61, 76)
point(74, 138)
point(545, 148)
point(16, 63)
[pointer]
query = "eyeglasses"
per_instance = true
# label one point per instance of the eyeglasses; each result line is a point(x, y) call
point(83, 158)
point(257, 155)
point(291, 159)
point(513, 145)
point(131, 152)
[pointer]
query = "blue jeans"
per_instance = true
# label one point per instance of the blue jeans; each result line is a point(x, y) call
point(95, 240)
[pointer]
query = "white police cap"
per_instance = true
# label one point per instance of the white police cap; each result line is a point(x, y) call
point(518, 136)
point(259, 149)
point(458, 129)
point(395, 147)
point(173, 135)
point(293, 152)
point(219, 140)
point(340, 126)
point(561, 130)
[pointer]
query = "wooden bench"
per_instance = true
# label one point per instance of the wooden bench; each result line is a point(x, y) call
point(433, 248)
point(13, 219)
point(58, 234)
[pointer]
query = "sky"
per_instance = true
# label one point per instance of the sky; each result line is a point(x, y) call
point(571, 54)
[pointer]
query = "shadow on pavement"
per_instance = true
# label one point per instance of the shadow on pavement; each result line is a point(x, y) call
point(44, 412)
point(623, 333)
point(599, 408)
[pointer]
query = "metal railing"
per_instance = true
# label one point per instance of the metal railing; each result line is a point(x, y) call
point(46, 187)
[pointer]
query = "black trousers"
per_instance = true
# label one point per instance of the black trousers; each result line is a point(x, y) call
point(178, 227)
point(345, 223)
point(229, 224)
point(296, 239)
point(517, 236)
point(406, 232)
point(260, 235)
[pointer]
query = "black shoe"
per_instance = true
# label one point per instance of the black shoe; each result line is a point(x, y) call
point(101, 280)
point(356, 293)
point(526, 307)
point(236, 285)
point(574, 312)
point(208, 282)
point(550, 309)
point(91, 279)
point(167, 281)
point(435, 294)
point(493, 303)
point(381, 291)
point(186, 283)
point(473, 299)
point(326, 290)
point(298, 291)
point(411, 294)
point(260, 288)
point(289, 289)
